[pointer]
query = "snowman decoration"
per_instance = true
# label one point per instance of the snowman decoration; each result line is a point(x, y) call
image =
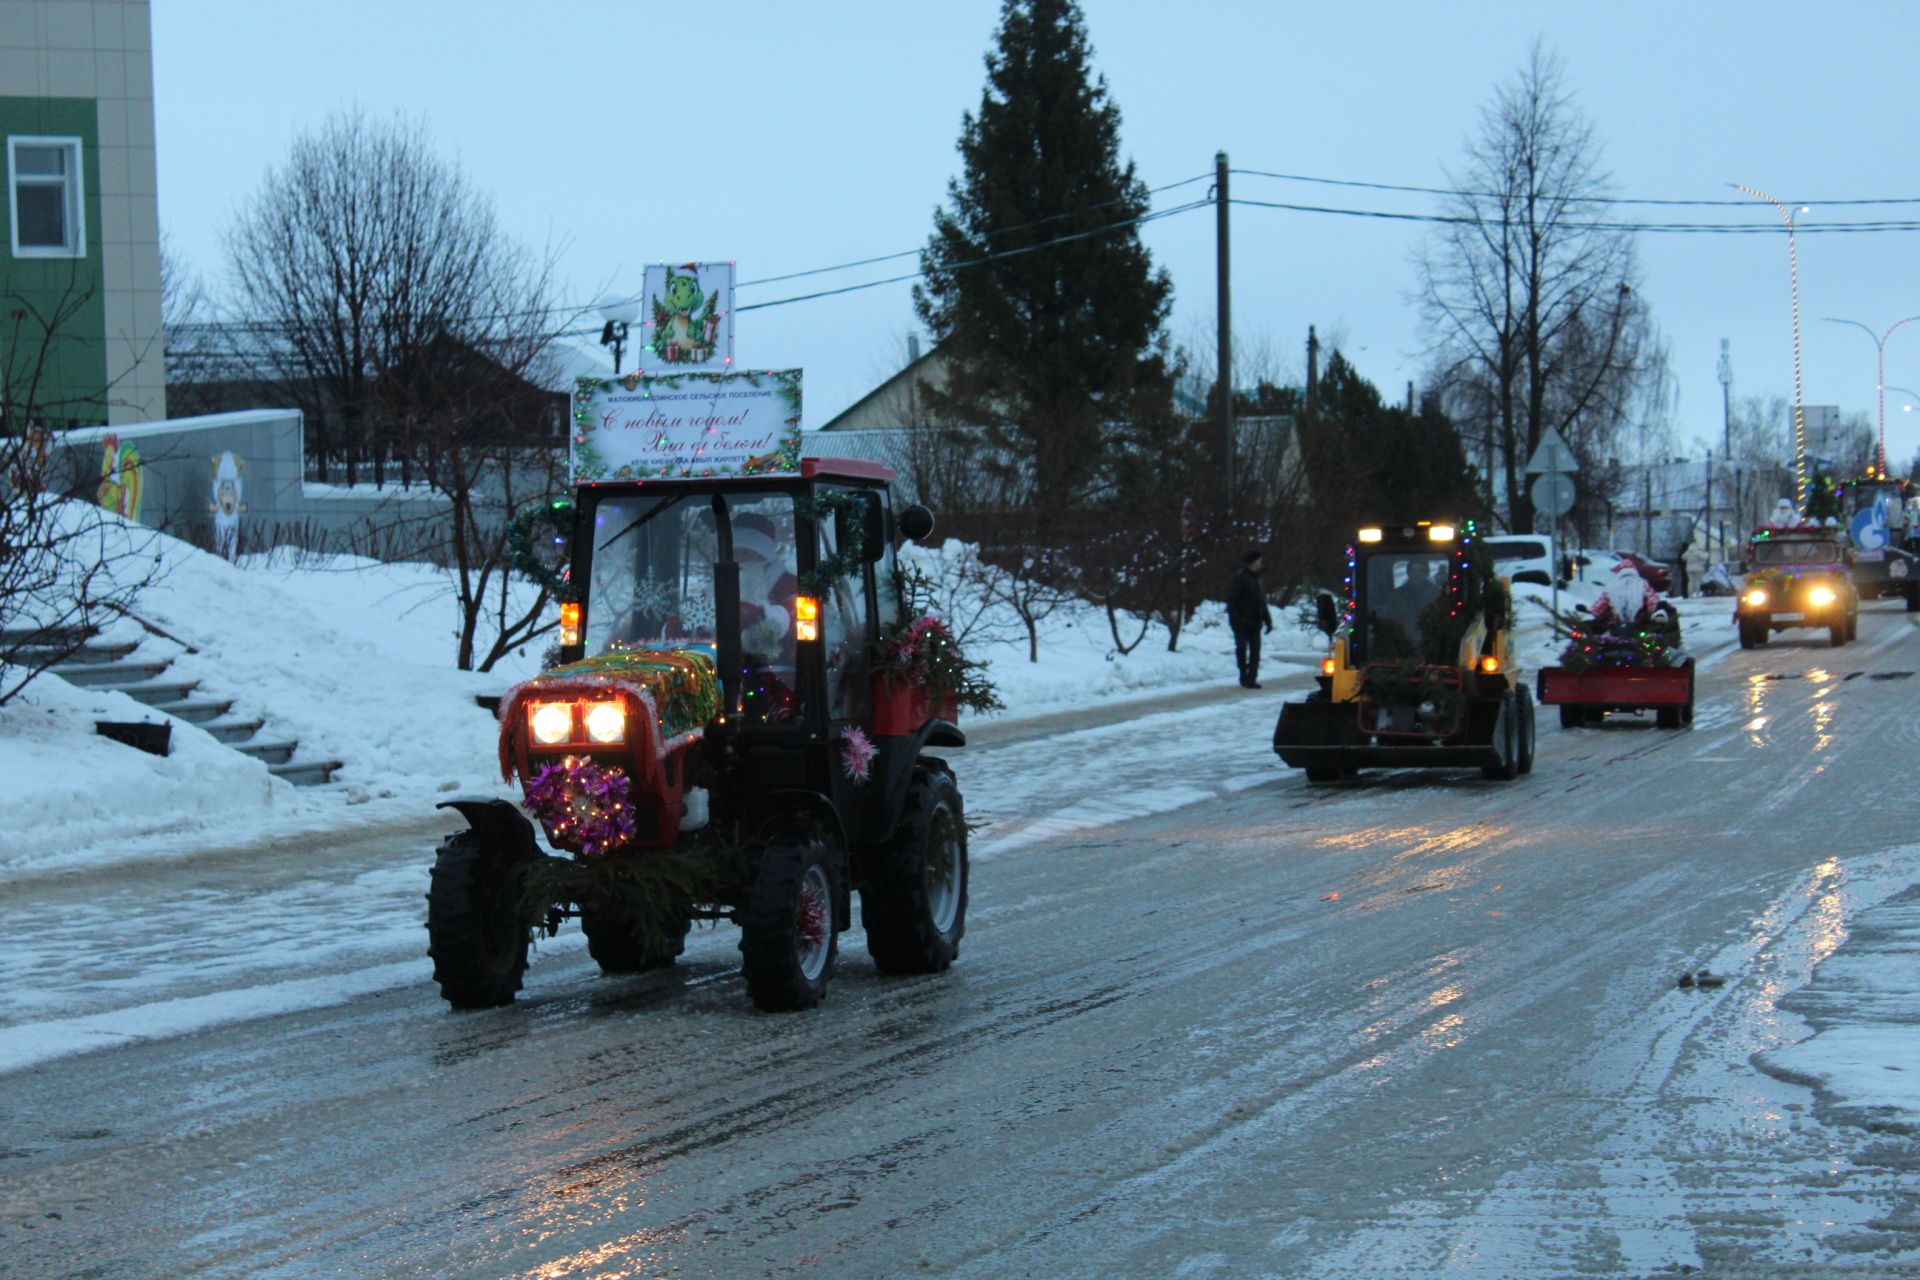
point(226, 506)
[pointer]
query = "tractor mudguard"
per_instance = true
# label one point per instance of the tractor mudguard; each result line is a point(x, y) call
point(1314, 724)
point(500, 824)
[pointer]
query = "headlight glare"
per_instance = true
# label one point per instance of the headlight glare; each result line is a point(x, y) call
point(606, 722)
point(1820, 597)
point(552, 723)
point(1756, 598)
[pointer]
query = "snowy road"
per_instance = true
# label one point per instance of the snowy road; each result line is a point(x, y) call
point(1207, 1021)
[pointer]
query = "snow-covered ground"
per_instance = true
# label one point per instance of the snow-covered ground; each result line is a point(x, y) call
point(354, 659)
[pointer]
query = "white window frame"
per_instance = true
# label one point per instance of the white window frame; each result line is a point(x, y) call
point(75, 183)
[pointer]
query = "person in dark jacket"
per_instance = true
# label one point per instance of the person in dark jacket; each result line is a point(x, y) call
point(1247, 614)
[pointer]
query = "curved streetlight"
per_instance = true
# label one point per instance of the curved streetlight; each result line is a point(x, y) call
point(1880, 379)
point(1799, 407)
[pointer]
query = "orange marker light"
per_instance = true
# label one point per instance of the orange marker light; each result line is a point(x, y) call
point(1490, 665)
point(1326, 666)
point(806, 617)
point(569, 624)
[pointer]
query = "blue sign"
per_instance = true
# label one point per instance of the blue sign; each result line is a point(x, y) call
point(1868, 528)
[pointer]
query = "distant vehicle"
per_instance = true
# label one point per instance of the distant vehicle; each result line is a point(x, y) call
point(1884, 550)
point(1719, 578)
point(1595, 566)
point(1523, 558)
point(1799, 578)
point(1656, 574)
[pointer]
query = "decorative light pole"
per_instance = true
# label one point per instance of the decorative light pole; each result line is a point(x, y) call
point(1879, 380)
point(618, 312)
point(1799, 406)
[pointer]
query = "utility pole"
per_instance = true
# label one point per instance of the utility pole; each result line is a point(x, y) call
point(1726, 398)
point(1707, 534)
point(1225, 326)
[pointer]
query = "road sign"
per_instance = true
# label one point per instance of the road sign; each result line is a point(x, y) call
point(1551, 455)
point(1552, 494)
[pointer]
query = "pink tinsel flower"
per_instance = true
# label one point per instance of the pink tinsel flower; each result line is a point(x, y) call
point(856, 753)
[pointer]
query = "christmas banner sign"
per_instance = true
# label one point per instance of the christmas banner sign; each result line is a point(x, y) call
point(688, 313)
point(643, 427)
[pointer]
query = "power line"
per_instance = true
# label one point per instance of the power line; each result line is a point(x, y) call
point(1658, 228)
point(1494, 195)
point(992, 257)
point(1002, 231)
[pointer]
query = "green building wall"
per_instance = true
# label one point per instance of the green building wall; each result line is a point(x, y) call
point(61, 375)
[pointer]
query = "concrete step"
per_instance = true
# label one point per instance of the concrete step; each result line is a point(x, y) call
point(305, 773)
point(158, 692)
point(85, 655)
point(109, 675)
point(196, 710)
point(231, 732)
point(270, 752)
point(46, 637)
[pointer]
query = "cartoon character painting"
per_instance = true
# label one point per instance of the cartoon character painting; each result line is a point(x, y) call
point(120, 478)
point(686, 322)
point(226, 505)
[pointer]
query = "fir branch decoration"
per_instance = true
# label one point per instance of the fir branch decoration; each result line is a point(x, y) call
point(923, 653)
point(549, 523)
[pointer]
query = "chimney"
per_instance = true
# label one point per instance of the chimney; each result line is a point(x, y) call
point(913, 347)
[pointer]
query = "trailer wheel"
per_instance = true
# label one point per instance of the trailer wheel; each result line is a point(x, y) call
point(915, 906)
point(1506, 736)
point(1667, 717)
point(613, 946)
point(1571, 717)
point(787, 942)
point(1528, 732)
point(475, 936)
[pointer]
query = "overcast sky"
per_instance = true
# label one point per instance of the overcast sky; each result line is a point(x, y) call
point(792, 136)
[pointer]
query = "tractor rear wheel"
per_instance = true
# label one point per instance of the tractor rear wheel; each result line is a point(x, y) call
point(914, 906)
point(787, 939)
point(475, 935)
point(616, 948)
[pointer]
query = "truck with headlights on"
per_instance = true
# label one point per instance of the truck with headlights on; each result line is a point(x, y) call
point(1798, 577)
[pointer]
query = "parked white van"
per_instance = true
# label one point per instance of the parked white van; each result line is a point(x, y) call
point(1524, 557)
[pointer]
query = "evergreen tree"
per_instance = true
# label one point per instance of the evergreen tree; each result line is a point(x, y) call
point(1057, 344)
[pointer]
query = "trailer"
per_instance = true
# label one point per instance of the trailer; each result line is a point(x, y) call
point(1585, 697)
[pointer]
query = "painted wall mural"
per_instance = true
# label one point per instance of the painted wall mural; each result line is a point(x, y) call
point(120, 477)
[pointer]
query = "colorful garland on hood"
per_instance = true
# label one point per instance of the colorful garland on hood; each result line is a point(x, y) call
point(675, 688)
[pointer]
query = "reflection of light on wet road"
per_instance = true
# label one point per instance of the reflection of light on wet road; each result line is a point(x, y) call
point(1822, 723)
point(1827, 922)
point(1755, 707)
point(615, 1260)
point(1446, 1033)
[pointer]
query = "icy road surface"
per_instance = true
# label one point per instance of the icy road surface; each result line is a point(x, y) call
point(1208, 1021)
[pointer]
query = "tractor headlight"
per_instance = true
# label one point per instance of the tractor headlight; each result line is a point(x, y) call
point(1755, 598)
point(1821, 597)
point(606, 722)
point(552, 723)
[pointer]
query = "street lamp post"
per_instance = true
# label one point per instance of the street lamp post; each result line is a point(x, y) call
point(618, 312)
point(1879, 380)
point(1799, 407)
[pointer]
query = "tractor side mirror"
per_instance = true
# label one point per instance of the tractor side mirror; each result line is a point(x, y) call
point(1580, 608)
point(914, 523)
point(1327, 617)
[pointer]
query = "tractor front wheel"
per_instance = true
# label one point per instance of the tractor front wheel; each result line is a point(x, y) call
point(475, 935)
point(787, 940)
point(915, 905)
point(617, 946)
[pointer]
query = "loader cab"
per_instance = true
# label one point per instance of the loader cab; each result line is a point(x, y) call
point(1407, 582)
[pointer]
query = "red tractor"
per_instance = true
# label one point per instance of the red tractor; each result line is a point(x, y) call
point(739, 729)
